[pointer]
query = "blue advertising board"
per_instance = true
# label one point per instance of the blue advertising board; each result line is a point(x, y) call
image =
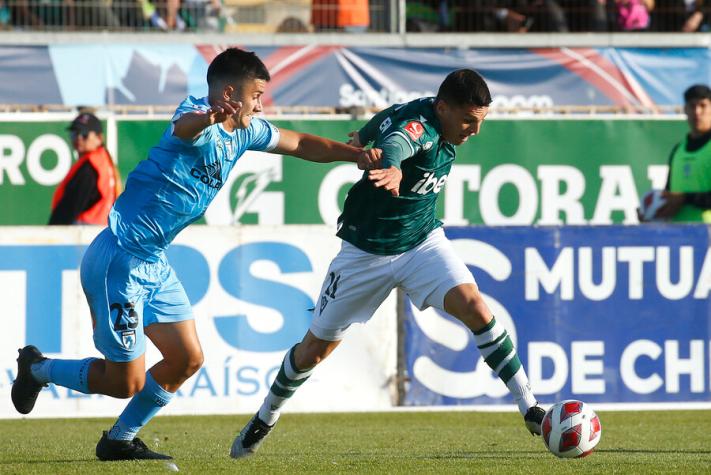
point(376, 76)
point(607, 314)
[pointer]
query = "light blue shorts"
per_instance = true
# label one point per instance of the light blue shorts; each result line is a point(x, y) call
point(127, 294)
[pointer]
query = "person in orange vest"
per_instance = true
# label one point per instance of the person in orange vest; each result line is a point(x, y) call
point(340, 15)
point(86, 194)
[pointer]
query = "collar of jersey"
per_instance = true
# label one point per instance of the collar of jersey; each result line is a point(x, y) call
point(231, 134)
point(431, 117)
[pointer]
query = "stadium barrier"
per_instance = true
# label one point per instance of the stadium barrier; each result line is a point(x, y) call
point(606, 314)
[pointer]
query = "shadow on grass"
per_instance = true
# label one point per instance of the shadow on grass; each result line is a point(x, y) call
point(44, 461)
point(360, 455)
point(653, 451)
point(489, 454)
point(77, 461)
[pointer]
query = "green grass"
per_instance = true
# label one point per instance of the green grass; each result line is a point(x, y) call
point(430, 442)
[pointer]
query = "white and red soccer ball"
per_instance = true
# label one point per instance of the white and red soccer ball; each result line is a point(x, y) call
point(571, 429)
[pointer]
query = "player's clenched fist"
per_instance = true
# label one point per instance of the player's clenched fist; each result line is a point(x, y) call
point(369, 159)
point(387, 178)
point(354, 139)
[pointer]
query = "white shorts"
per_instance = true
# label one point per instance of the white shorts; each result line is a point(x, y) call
point(358, 282)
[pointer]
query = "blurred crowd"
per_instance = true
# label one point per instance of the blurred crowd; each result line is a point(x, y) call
point(558, 15)
point(362, 15)
point(111, 14)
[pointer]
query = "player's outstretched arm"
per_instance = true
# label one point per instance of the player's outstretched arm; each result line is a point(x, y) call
point(189, 125)
point(322, 150)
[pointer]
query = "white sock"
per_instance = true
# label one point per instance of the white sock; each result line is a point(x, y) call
point(521, 391)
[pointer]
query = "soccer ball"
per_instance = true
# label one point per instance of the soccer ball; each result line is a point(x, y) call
point(650, 204)
point(571, 429)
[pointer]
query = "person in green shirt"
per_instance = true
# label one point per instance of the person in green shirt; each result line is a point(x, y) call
point(688, 189)
point(392, 238)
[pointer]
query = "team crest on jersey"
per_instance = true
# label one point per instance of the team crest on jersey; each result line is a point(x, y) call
point(428, 145)
point(128, 339)
point(415, 130)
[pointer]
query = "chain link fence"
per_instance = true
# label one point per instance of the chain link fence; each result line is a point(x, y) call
point(356, 16)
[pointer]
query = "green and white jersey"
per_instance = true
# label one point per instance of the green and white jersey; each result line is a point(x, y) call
point(410, 137)
point(690, 172)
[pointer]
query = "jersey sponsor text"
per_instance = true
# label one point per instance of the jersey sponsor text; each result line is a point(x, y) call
point(429, 182)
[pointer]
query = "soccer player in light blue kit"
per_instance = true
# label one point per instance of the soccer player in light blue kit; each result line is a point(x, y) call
point(132, 291)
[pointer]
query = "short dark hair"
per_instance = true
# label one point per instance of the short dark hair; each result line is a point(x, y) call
point(237, 65)
point(464, 87)
point(696, 92)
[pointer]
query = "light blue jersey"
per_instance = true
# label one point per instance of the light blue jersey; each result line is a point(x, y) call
point(177, 182)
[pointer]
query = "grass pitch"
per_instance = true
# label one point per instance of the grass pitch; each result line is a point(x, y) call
point(403, 442)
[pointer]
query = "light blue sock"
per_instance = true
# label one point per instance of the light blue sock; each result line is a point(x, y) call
point(140, 410)
point(73, 374)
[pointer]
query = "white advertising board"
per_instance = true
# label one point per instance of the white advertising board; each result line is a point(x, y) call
point(251, 288)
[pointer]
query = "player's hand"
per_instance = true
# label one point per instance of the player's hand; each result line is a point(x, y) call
point(387, 178)
point(354, 139)
point(221, 110)
point(369, 159)
point(674, 202)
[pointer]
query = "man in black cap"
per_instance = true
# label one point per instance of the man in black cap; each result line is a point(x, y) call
point(687, 194)
point(87, 193)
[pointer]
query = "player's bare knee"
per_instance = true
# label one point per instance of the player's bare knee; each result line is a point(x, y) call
point(306, 360)
point(308, 355)
point(466, 303)
point(193, 363)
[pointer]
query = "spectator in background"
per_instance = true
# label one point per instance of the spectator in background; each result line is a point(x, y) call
point(22, 16)
point(292, 25)
point(516, 16)
point(633, 15)
point(428, 16)
point(544, 15)
point(586, 15)
point(87, 193)
point(94, 14)
point(697, 18)
point(201, 14)
point(681, 15)
point(688, 190)
point(351, 16)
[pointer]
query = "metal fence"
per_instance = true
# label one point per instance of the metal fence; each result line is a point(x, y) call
point(393, 16)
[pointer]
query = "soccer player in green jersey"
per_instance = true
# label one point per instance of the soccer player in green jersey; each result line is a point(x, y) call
point(391, 238)
point(688, 190)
